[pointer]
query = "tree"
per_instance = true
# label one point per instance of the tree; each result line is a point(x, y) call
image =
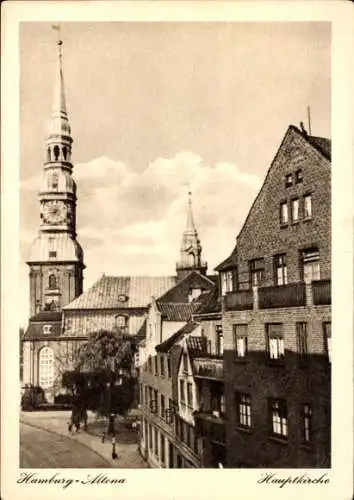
point(106, 360)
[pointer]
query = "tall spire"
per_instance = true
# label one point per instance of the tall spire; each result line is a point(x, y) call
point(59, 120)
point(191, 249)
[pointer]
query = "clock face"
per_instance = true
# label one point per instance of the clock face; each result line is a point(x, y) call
point(54, 212)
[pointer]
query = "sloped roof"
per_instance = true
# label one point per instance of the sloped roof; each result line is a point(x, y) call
point(167, 344)
point(197, 346)
point(229, 263)
point(45, 318)
point(211, 304)
point(323, 145)
point(141, 332)
point(177, 311)
point(180, 292)
point(137, 291)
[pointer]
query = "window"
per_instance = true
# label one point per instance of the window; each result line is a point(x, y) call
point(54, 181)
point(52, 282)
point(162, 449)
point(301, 336)
point(219, 340)
point(150, 364)
point(185, 363)
point(47, 329)
point(168, 367)
point(162, 365)
point(281, 271)
point(52, 254)
point(189, 394)
point(146, 395)
point(307, 423)
point(275, 341)
point(226, 282)
point(298, 176)
point(311, 265)
point(162, 406)
point(256, 271)
point(307, 206)
point(194, 294)
point(222, 404)
point(156, 365)
point(156, 450)
point(279, 418)
point(327, 327)
point(181, 392)
point(46, 367)
point(288, 180)
point(240, 340)
point(284, 214)
point(121, 321)
point(150, 437)
point(295, 210)
point(243, 403)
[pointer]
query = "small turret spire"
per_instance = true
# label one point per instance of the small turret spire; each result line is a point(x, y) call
point(190, 218)
point(191, 249)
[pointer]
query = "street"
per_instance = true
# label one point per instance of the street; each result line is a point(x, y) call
point(43, 449)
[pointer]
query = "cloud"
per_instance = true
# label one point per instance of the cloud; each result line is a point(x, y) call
point(132, 223)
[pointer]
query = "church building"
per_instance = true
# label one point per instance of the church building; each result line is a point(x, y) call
point(62, 316)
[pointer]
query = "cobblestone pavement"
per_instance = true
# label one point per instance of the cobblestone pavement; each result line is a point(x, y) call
point(57, 423)
point(43, 449)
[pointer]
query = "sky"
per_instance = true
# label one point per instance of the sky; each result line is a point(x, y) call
point(157, 109)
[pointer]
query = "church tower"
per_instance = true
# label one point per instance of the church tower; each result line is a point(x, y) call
point(55, 258)
point(191, 249)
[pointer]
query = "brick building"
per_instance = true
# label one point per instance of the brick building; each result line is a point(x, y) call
point(276, 288)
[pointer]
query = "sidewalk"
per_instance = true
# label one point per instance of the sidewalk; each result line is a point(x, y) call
point(126, 445)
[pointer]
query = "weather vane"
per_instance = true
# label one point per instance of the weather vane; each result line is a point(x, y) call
point(57, 28)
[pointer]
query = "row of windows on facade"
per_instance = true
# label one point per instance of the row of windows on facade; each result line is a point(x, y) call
point(309, 266)
point(275, 340)
point(277, 416)
point(161, 366)
point(183, 430)
point(156, 443)
point(300, 209)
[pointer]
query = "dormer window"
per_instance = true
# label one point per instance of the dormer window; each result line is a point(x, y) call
point(226, 282)
point(194, 294)
point(52, 254)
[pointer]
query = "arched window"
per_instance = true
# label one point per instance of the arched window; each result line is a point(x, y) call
point(56, 152)
point(46, 367)
point(52, 282)
point(48, 154)
point(64, 152)
point(54, 180)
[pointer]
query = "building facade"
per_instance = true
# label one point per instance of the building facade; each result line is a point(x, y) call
point(276, 318)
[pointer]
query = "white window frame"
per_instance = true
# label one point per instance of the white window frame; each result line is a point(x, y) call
point(308, 206)
point(244, 409)
point(295, 210)
point(284, 213)
point(226, 282)
point(46, 367)
point(240, 334)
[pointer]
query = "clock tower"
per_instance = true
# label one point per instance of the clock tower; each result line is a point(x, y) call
point(56, 258)
point(191, 249)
